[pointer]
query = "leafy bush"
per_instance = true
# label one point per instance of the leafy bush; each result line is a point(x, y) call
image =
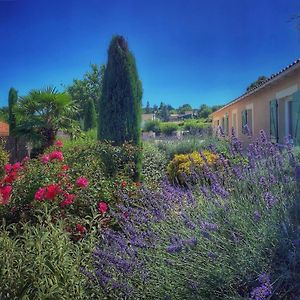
point(184, 166)
point(41, 263)
point(71, 183)
point(154, 164)
point(168, 128)
point(185, 146)
point(152, 125)
point(211, 242)
point(195, 127)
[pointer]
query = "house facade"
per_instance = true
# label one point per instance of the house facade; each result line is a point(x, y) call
point(4, 129)
point(273, 106)
point(147, 117)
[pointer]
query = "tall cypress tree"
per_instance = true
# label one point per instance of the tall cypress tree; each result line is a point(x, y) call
point(120, 104)
point(90, 118)
point(12, 101)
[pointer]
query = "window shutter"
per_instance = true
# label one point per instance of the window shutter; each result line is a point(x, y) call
point(244, 120)
point(274, 121)
point(296, 118)
point(226, 124)
point(249, 120)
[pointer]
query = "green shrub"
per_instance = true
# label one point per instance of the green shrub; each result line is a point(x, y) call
point(41, 263)
point(154, 164)
point(182, 167)
point(168, 128)
point(195, 127)
point(152, 125)
point(105, 168)
point(171, 148)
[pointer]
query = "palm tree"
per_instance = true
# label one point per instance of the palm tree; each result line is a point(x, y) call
point(42, 113)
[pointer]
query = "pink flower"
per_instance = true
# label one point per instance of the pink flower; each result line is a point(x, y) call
point(69, 199)
point(82, 182)
point(102, 207)
point(45, 159)
point(8, 168)
point(5, 193)
point(25, 160)
point(39, 195)
point(59, 143)
point(56, 155)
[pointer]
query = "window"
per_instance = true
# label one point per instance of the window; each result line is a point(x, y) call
point(247, 120)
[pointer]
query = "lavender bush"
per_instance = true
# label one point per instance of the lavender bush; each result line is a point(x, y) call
point(208, 241)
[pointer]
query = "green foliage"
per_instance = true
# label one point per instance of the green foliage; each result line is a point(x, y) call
point(12, 101)
point(204, 111)
point(120, 103)
point(87, 89)
point(154, 165)
point(42, 113)
point(168, 128)
point(196, 127)
point(41, 263)
point(4, 156)
point(152, 125)
point(90, 117)
point(4, 114)
point(164, 112)
point(171, 148)
point(184, 108)
point(257, 82)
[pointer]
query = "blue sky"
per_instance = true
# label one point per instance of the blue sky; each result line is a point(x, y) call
point(187, 51)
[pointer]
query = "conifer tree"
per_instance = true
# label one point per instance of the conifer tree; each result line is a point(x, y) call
point(121, 101)
point(90, 117)
point(120, 105)
point(12, 101)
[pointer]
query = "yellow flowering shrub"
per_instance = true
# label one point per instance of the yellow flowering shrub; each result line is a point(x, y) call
point(182, 165)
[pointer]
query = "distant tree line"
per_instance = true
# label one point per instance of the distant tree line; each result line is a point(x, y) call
point(163, 111)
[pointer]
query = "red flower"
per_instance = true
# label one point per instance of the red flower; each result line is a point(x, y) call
point(65, 168)
point(5, 193)
point(51, 191)
point(8, 179)
point(123, 184)
point(69, 199)
point(17, 166)
point(102, 207)
point(39, 195)
point(8, 168)
point(56, 155)
point(82, 182)
point(80, 228)
point(59, 143)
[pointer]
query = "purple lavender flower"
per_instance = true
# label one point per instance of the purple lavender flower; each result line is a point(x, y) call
point(264, 278)
point(270, 200)
point(256, 215)
point(192, 242)
point(208, 226)
point(297, 243)
point(261, 293)
point(297, 173)
point(174, 248)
